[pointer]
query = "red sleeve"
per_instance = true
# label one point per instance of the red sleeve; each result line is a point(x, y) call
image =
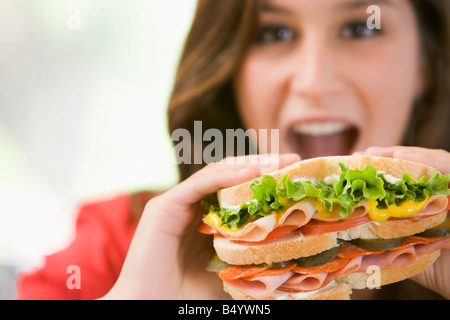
point(103, 234)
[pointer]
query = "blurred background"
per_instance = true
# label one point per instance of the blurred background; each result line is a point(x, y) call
point(84, 86)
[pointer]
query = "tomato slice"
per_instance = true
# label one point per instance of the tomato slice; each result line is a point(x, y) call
point(351, 251)
point(274, 234)
point(275, 271)
point(331, 266)
point(207, 229)
point(235, 272)
point(448, 205)
point(317, 227)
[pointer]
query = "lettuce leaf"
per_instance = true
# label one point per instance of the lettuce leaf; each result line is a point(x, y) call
point(354, 186)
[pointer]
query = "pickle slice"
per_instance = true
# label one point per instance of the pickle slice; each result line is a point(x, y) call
point(320, 258)
point(280, 264)
point(377, 244)
point(441, 230)
point(215, 264)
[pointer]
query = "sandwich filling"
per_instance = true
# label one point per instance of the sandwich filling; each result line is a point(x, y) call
point(315, 272)
point(352, 198)
point(302, 209)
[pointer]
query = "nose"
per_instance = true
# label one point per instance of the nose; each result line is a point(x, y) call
point(315, 72)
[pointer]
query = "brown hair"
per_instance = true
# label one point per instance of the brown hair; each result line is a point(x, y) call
point(220, 35)
point(430, 123)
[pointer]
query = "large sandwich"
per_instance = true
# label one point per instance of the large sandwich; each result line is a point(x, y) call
point(322, 227)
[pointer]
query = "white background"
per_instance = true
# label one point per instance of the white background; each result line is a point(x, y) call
point(82, 112)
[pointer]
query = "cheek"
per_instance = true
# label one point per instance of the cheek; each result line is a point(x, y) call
point(259, 92)
point(389, 85)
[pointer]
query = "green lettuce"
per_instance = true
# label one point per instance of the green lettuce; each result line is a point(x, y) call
point(354, 186)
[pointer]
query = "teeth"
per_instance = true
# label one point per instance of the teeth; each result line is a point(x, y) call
point(320, 128)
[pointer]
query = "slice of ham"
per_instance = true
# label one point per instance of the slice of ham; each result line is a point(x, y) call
point(300, 279)
point(304, 282)
point(353, 265)
point(434, 205)
point(358, 212)
point(442, 243)
point(314, 281)
point(390, 259)
point(297, 215)
point(260, 287)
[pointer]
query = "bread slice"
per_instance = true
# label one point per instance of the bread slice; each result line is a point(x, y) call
point(291, 246)
point(321, 168)
point(360, 280)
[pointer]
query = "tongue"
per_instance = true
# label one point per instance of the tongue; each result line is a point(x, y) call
point(337, 144)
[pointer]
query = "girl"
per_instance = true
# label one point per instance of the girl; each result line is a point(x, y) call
point(315, 71)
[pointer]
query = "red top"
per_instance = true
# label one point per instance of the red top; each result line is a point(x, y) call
point(103, 234)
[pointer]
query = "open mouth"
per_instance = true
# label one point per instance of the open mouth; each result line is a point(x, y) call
point(323, 138)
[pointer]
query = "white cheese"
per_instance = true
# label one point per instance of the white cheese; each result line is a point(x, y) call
point(389, 178)
point(229, 207)
point(332, 179)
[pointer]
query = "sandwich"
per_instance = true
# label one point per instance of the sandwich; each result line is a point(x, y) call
point(323, 227)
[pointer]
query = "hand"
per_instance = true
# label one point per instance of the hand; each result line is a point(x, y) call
point(167, 256)
point(437, 276)
point(439, 159)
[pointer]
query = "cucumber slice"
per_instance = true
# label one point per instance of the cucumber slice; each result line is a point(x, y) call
point(441, 230)
point(320, 258)
point(377, 244)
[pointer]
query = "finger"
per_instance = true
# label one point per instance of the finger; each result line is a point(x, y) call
point(223, 175)
point(439, 159)
point(206, 183)
point(177, 208)
point(380, 151)
point(273, 161)
point(389, 152)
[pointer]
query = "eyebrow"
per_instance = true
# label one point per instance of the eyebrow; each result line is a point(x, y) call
point(269, 7)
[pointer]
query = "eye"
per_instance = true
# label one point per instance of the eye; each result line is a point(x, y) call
point(358, 30)
point(274, 33)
